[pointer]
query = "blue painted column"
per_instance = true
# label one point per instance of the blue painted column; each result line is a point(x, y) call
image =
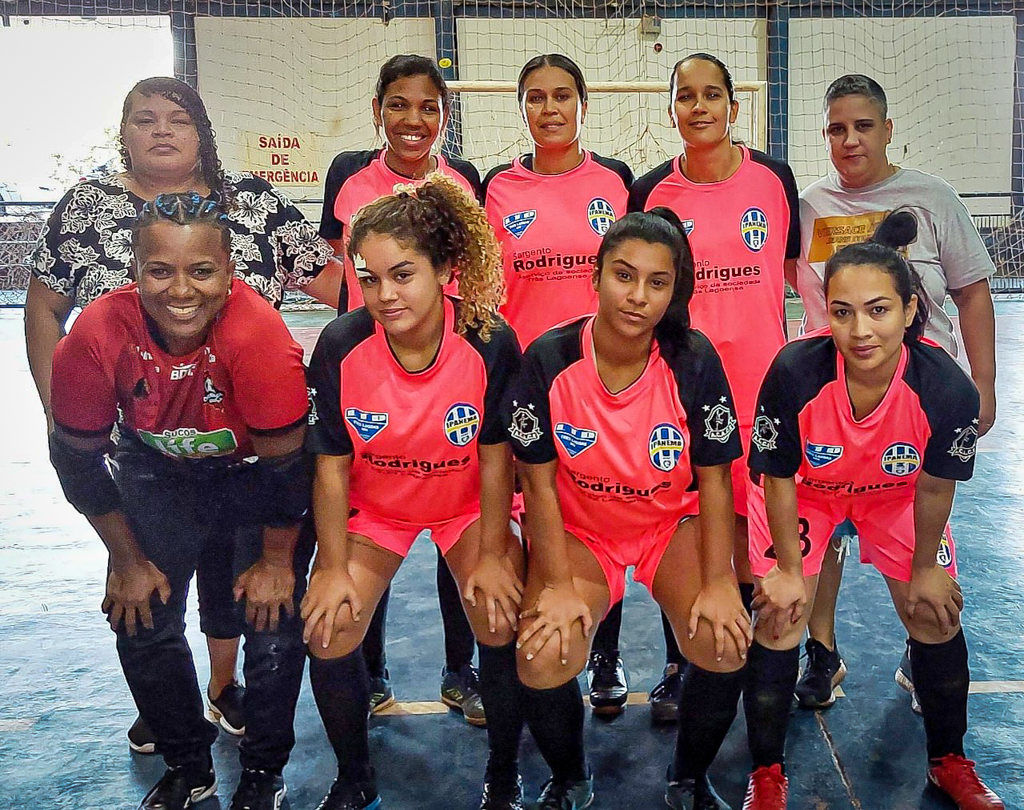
point(778, 79)
point(447, 49)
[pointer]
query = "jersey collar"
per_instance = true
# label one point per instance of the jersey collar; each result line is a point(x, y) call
point(635, 389)
point(879, 412)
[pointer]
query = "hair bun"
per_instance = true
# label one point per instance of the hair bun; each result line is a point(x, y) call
point(897, 230)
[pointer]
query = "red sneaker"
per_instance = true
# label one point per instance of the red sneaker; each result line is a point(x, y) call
point(767, 789)
point(956, 777)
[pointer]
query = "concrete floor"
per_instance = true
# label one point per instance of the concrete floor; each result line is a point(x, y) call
point(64, 706)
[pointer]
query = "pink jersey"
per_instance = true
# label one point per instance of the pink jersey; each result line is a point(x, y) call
point(247, 376)
point(741, 230)
point(928, 420)
point(414, 436)
point(356, 179)
point(550, 227)
point(624, 460)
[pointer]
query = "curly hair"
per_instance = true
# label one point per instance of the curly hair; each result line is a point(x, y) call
point(444, 223)
point(188, 99)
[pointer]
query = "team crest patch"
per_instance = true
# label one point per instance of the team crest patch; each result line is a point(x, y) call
point(765, 434)
point(525, 427)
point(965, 444)
point(688, 226)
point(901, 459)
point(665, 446)
point(312, 417)
point(211, 394)
point(719, 423)
point(754, 228)
point(601, 215)
point(575, 440)
point(461, 424)
point(944, 556)
point(517, 223)
point(366, 423)
point(820, 455)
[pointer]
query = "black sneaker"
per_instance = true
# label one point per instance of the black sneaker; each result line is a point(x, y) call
point(381, 694)
point(823, 672)
point(693, 794)
point(495, 797)
point(180, 788)
point(606, 680)
point(565, 795)
point(349, 797)
point(905, 679)
point(227, 709)
point(259, 790)
point(141, 738)
point(664, 697)
point(460, 689)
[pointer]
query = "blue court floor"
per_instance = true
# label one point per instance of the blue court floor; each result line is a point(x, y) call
point(64, 706)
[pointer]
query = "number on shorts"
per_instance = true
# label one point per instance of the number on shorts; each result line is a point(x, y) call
point(803, 527)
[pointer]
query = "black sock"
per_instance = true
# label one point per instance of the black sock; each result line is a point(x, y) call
point(747, 596)
point(373, 645)
point(503, 705)
point(341, 689)
point(458, 633)
point(673, 655)
point(555, 717)
point(707, 707)
point(606, 639)
point(767, 698)
point(941, 679)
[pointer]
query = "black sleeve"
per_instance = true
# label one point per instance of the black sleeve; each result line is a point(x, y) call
point(342, 167)
point(502, 359)
point(529, 412)
point(490, 176)
point(327, 434)
point(621, 169)
point(951, 404)
point(641, 190)
point(468, 171)
point(706, 397)
point(785, 174)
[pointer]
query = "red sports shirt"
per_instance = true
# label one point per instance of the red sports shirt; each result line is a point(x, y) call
point(248, 376)
point(741, 230)
point(356, 179)
point(414, 436)
point(550, 227)
point(624, 460)
point(928, 420)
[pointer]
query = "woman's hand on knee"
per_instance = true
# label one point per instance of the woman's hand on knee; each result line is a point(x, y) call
point(557, 609)
point(934, 596)
point(779, 599)
point(330, 588)
point(719, 604)
point(499, 587)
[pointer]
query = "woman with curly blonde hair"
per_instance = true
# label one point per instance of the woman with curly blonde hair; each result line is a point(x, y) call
point(408, 435)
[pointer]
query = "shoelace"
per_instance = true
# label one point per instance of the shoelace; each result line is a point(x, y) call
point(768, 783)
point(553, 796)
point(962, 772)
point(603, 663)
point(667, 684)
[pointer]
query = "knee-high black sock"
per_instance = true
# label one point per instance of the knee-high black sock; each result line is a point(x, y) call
point(707, 707)
point(941, 678)
point(341, 689)
point(376, 637)
point(503, 705)
point(458, 633)
point(747, 596)
point(673, 655)
point(606, 639)
point(555, 717)
point(767, 698)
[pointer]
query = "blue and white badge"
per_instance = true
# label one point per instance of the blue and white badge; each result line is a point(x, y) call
point(366, 423)
point(461, 424)
point(820, 455)
point(688, 226)
point(665, 446)
point(575, 440)
point(900, 459)
point(754, 228)
point(601, 215)
point(517, 223)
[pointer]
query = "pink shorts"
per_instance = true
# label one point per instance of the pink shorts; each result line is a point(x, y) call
point(398, 537)
point(885, 530)
point(644, 554)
